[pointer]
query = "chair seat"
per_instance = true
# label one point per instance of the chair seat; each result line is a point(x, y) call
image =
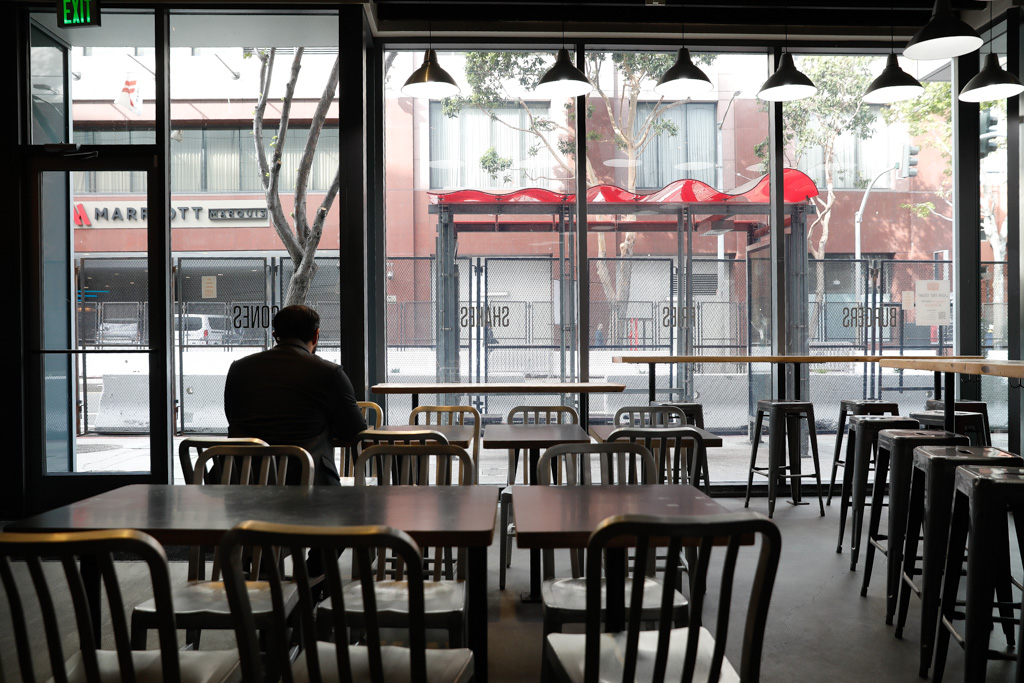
point(443, 666)
point(568, 650)
point(569, 596)
point(204, 604)
point(213, 666)
point(440, 598)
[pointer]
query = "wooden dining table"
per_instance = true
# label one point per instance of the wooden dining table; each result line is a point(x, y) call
point(457, 516)
point(565, 516)
point(584, 389)
point(781, 360)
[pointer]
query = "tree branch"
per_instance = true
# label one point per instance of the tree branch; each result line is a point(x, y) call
point(306, 162)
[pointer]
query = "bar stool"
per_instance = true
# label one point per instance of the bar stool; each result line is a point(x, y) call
point(931, 500)
point(896, 453)
point(974, 425)
point(694, 411)
point(982, 499)
point(861, 442)
point(784, 417)
point(969, 406)
point(853, 406)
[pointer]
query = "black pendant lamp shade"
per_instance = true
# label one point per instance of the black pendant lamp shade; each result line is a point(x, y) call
point(787, 83)
point(430, 80)
point(892, 85)
point(563, 79)
point(683, 79)
point(993, 82)
point(943, 37)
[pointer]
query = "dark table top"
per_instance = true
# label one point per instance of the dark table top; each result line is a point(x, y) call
point(565, 516)
point(532, 435)
point(186, 515)
point(601, 432)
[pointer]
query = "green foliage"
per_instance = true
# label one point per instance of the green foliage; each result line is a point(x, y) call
point(922, 210)
point(838, 108)
point(496, 165)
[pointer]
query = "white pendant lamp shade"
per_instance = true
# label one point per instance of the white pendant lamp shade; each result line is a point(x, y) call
point(683, 79)
point(892, 85)
point(787, 83)
point(563, 80)
point(992, 83)
point(430, 80)
point(943, 37)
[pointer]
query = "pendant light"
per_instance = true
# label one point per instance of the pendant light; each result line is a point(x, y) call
point(430, 81)
point(787, 83)
point(683, 79)
point(944, 36)
point(992, 82)
point(563, 80)
point(893, 84)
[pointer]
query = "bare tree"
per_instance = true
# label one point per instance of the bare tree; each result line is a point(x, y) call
point(300, 236)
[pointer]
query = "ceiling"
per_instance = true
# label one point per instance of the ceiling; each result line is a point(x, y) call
point(841, 22)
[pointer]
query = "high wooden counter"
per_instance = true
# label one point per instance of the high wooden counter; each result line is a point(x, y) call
point(797, 361)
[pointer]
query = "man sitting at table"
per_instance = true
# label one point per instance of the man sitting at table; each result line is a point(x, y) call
point(289, 396)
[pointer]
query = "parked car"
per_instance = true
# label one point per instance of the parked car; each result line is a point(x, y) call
point(196, 329)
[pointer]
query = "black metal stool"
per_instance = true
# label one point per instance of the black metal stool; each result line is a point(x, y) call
point(931, 501)
point(972, 425)
point(896, 454)
point(851, 406)
point(694, 411)
point(784, 418)
point(962, 404)
point(982, 499)
point(861, 441)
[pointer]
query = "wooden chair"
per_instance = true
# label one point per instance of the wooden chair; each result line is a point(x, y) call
point(337, 661)
point(525, 415)
point(687, 654)
point(201, 604)
point(452, 415)
point(675, 464)
point(373, 414)
point(564, 599)
point(445, 599)
point(649, 416)
point(61, 582)
point(201, 443)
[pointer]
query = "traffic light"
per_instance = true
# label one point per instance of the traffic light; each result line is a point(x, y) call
point(908, 165)
point(988, 133)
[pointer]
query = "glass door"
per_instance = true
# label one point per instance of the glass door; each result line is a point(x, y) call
point(91, 352)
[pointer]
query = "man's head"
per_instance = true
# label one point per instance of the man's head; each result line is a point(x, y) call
point(297, 322)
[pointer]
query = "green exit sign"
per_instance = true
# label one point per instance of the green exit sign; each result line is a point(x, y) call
point(75, 13)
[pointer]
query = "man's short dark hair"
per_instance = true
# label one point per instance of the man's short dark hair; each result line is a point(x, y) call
point(296, 322)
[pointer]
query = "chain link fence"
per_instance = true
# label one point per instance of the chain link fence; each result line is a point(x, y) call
point(515, 323)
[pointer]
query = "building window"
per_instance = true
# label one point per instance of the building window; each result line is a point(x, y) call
point(213, 160)
point(488, 149)
point(856, 160)
point(685, 147)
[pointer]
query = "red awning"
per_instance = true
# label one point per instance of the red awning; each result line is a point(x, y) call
point(798, 189)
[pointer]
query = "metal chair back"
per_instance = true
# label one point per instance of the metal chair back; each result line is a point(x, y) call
point(732, 531)
point(649, 416)
point(201, 443)
point(669, 449)
point(331, 541)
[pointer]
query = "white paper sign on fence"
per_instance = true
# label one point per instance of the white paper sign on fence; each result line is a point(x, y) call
point(931, 301)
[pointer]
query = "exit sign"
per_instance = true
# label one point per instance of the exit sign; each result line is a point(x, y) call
point(76, 13)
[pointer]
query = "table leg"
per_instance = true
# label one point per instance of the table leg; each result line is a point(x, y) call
point(585, 411)
point(534, 594)
point(415, 401)
point(796, 381)
point(948, 418)
point(650, 382)
point(477, 611)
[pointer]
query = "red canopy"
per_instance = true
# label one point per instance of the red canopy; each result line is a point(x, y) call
point(798, 188)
